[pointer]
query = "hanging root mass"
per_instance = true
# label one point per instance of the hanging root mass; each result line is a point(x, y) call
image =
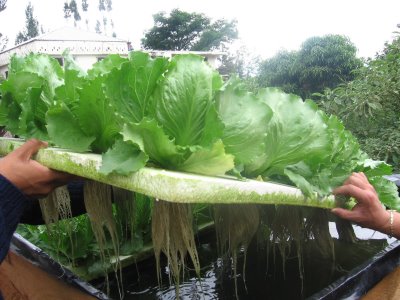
point(98, 203)
point(235, 226)
point(56, 206)
point(172, 233)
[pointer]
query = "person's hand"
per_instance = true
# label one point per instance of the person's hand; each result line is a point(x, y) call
point(369, 211)
point(32, 178)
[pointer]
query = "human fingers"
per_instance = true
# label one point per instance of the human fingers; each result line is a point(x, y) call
point(44, 184)
point(363, 178)
point(343, 213)
point(360, 181)
point(61, 178)
point(29, 148)
point(52, 177)
point(354, 191)
point(362, 175)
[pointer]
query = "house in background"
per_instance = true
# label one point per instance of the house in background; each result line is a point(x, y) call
point(86, 47)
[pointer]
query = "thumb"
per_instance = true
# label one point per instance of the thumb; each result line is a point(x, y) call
point(29, 148)
point(342, 213)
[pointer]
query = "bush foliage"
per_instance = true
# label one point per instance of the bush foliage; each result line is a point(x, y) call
point(322, 62)
point(369, 105)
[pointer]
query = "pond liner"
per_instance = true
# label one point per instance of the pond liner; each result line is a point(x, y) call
point(364, 277)
point(40, 258)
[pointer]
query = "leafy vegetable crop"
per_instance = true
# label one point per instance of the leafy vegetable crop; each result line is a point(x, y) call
point(178, 114)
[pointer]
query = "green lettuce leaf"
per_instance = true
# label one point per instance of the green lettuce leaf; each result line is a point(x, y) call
point(74, 79)
point(296, 131)
point(373, 168)
point(387, 192)
point(184, 100)
point(212, 161)
point(123, 158)
point(32, 119)
point(32, 84)
point(19, 92)
point(106, 65)
point(43, 66)
point(97, 118)
point(64, 129)
point(130, 88)
point(152, 140)
point(323, 176)
point(245, 119)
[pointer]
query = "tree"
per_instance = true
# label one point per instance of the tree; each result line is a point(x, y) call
point(98, 27)
point(3, 39)
point(279, 71)
point(321, 62)
point(325, 62)
point(67, 10)
point(74, 8)
point(109, 5)
point(3, 42)
point(31, 26)
point(104, 7)
point(71, 9)
point(369, 104)
point(188, 31)
point(3, 5)
point(221, 31)
point(85, 5)
point(240, 62)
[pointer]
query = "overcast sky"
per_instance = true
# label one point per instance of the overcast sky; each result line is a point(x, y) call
point(265, 27)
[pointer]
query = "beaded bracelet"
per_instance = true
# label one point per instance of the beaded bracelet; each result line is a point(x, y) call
point(391, 221)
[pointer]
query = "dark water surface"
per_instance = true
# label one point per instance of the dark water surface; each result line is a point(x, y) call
point(267, 276)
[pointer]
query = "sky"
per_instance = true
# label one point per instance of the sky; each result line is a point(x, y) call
point(265, 27)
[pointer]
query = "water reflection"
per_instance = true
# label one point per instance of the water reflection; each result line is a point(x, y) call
point(267, 275)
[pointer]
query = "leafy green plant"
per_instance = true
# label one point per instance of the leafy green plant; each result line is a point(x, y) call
point(55, 239)
point(321, 62)
point(368, 105)
point(71, 241)
point(177, 115)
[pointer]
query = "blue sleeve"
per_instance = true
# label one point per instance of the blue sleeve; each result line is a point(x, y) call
point(11, 206)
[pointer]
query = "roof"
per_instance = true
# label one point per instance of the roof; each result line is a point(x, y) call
point(79, 42)
point(69, 34)
point(74, 34)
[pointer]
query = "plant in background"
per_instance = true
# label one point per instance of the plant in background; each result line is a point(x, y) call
point(368, 105)
point(181, 30)
point(322, 62)
point(240, 62)
point(31, 26)
point(3, 39)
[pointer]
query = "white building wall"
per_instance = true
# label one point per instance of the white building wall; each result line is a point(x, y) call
point(3, 71)
point(85, 61)
point(85, 53)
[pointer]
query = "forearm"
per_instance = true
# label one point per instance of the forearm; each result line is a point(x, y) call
point(11, 206)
